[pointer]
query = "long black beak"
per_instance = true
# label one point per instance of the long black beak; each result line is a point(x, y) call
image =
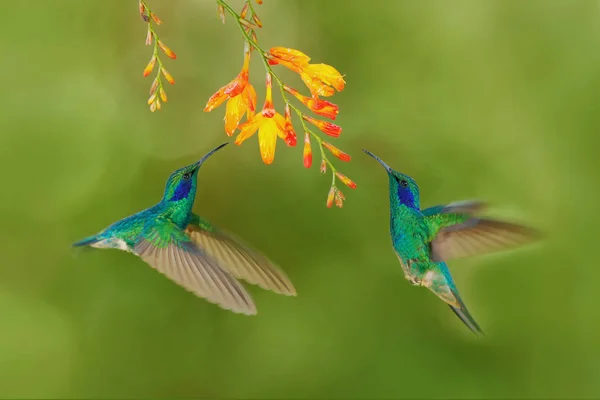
point(379, 160)
point(210, 153)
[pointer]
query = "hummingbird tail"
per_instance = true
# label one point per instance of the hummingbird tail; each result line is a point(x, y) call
point(87, 241)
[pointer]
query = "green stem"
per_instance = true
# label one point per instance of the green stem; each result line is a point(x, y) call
point(280, 83)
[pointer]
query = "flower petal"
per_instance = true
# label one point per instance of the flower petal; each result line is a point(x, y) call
point(249, 96)
point(248, 128)
point(316, 86)
point(216, 100)
point(291, 55)
point(327, 74)
point(235, 109)
point(267, 139)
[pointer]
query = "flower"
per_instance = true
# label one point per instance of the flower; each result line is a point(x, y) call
point(316, 105)
point(269, 124)
point(345, 180)
point(326, 127)
point(321, 79)
point(336, 195)
point(307, 154)
point(336, 152)
point(233, 88)
point(236, 106)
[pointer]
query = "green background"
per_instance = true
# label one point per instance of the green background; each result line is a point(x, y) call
point(494, 100)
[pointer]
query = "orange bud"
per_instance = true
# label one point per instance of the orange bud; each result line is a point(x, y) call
point(290, 137)
point(221, 13)
point(336, 152)
point(157, 102)
point(291, 55)
point(142, 8)
point(330, 197)
point(244, 10)
point(167, 50)
point(152, 98)
point(257, 20)
point(247, 23)
point(259, 1)
point(153, 107)
point(339, 198)
point(167, 75)
point(158, 22)
point(163, 94)
point(150, 66)
point(345, 180)
point(323, 168)
point(154, 85)
point(326, 127)
point(307, 151)
point(254, 38)
point(149, 37)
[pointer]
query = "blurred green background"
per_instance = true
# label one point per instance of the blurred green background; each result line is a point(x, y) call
point(494, 100)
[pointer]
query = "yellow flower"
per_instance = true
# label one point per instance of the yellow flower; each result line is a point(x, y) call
point(269, 124)
point(321, 79)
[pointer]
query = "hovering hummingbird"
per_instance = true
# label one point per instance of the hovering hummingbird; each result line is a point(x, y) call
point(191, 251)
point(425, 239)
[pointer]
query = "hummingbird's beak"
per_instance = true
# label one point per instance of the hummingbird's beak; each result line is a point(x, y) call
point(210, 153)
point(379, 160)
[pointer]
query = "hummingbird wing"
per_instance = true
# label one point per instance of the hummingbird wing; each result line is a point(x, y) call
point(463, 207)
point(440, 282)
point(170, 251)
point(239, 259)
point(457, 233)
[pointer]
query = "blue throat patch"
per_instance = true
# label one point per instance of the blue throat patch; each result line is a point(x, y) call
point(182, 191)
point(406, 196)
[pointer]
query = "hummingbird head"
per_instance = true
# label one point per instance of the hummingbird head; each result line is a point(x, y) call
point(182, 183)
point(403, 189)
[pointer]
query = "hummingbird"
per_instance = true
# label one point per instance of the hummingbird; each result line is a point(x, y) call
point(191, 251)
point(424, 239)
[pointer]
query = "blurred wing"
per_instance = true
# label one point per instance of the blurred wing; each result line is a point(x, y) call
point(170, 251)
point(478, 236)
point(459, 207)
point(240, 260)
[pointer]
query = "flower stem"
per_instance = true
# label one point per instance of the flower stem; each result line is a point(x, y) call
point(280, 83)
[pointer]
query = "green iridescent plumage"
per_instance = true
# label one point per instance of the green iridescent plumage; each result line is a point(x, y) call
point(425, 239)
point(190, 251)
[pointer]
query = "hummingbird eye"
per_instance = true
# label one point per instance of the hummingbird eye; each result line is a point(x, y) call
point(187, 175)
point(403, 183)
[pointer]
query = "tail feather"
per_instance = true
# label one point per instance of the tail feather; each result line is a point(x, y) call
point(87, 241)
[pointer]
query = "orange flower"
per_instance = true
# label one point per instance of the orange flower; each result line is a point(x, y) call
point(326, 127)
point(233, 88)
point(345, 180)
point(336, 152)
point(290, 133)
point(291, 58)
point(336, 195)
point(236, 106)
point(316, 105)
point(167, 50)
point(150, 66)
point(321, 79)
point(269, 124)
point(307, 155)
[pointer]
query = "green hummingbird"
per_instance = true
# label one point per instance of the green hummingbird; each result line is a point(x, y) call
point(425, 239)
point(191, 251)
